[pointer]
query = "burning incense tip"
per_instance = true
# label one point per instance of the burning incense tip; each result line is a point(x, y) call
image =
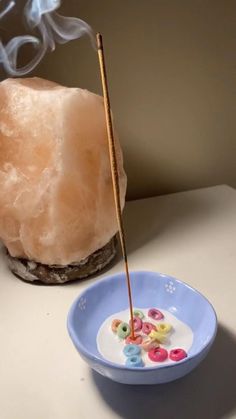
point(99, 41)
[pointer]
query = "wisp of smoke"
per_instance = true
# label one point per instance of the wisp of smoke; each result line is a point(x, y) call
point(53, 28)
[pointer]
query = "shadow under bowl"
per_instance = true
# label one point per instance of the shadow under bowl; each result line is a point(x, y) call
point(149, 289)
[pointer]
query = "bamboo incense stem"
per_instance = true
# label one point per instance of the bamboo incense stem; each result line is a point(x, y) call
point(114, 170)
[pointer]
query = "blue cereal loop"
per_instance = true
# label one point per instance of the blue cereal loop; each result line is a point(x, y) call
point(134, 361)
point(131, 350)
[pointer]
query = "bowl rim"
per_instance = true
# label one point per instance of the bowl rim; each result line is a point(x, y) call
point(106, 363)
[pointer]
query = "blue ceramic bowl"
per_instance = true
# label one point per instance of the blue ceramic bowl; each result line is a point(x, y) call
point(149, 289)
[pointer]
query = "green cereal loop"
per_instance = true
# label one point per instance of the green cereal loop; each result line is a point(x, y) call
point(138, 313)
point(123, 330)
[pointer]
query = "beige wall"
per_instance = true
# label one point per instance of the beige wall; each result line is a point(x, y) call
point(172, 77)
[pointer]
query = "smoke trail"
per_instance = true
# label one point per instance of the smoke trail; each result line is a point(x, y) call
point(52, 27)
point(10, 5)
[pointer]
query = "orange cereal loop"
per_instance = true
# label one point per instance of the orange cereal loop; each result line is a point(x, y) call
point(149, 344)
point(137, 340)
point(115, 323)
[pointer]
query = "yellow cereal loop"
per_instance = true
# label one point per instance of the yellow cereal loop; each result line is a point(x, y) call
point(160, 337)
point(164, 328)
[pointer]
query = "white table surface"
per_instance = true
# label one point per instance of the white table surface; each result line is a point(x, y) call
point(190, 235)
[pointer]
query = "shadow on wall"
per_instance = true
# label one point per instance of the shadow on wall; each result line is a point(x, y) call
point(208, 392)
point(180, 212)
point(164, 171)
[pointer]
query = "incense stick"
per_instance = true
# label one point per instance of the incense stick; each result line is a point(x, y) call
point(114, 170)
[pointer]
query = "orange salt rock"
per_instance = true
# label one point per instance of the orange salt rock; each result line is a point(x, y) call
point(56, 198)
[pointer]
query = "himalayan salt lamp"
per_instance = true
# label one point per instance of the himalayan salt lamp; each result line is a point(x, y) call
point(57, 213)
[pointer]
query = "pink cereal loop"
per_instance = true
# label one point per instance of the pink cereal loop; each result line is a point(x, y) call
point(148, 327)
point(158, 354)
point(177, 354)
point(137, 324)
point(155, 314)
